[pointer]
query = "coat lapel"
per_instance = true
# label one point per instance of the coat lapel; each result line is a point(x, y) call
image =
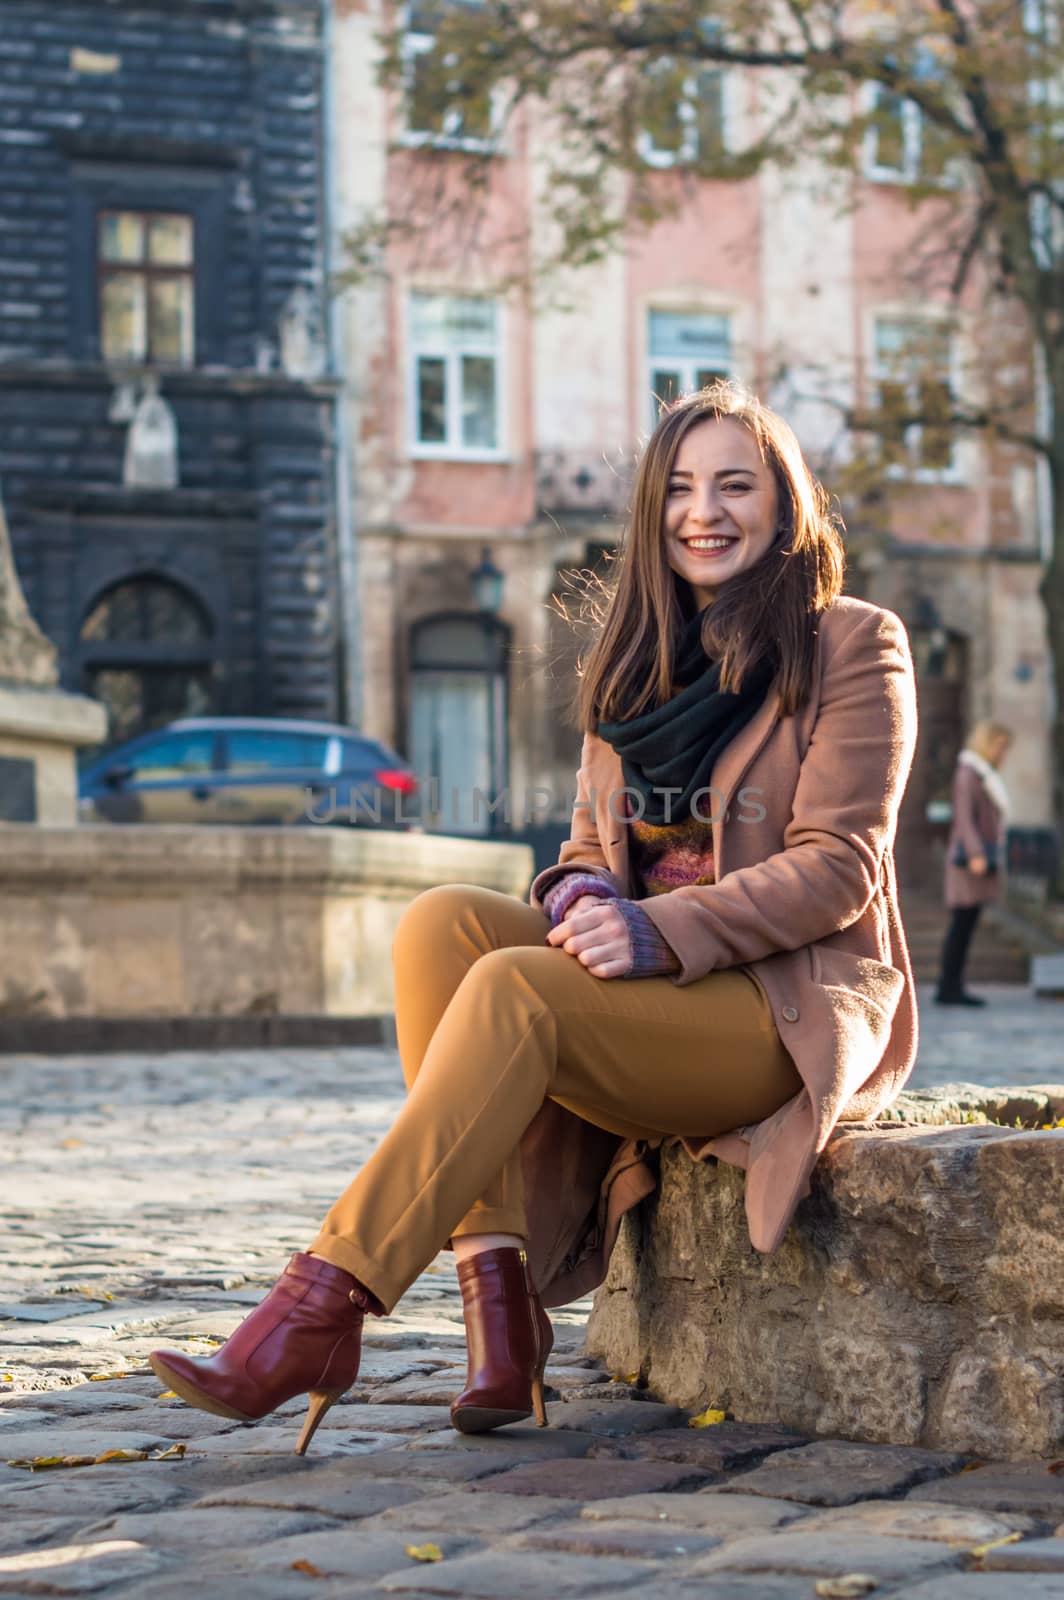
point(737, 758)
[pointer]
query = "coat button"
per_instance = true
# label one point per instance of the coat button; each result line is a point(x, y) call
point(790, 1013)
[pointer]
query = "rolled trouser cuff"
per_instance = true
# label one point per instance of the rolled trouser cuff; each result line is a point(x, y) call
point(342, 1253)
point(492, 1219)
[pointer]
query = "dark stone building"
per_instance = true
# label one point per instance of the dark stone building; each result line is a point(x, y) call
point(166, 411)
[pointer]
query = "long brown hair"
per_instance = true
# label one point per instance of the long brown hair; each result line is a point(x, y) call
point(770, 608)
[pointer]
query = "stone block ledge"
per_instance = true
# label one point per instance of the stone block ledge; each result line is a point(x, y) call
point(918, 1298)
point(96, 856)
point(168, 922)
point(50, 716)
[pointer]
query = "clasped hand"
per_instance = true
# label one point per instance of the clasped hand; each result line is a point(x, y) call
point(594, 931)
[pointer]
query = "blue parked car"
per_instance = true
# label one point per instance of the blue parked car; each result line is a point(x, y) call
point(251, 770)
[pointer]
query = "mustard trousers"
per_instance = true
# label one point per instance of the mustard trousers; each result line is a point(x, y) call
point(490, 1021)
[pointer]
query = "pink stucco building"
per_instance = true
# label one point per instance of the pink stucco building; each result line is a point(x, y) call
point(481, 416)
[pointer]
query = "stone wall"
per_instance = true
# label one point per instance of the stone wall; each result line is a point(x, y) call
point(167, 921)
point(39, 732)
point(225, 98)
point(212, 111)
point(917, 1299)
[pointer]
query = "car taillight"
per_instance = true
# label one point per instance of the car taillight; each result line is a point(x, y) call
point(402, 782)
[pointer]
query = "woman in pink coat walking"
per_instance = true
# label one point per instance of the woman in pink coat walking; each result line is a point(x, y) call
point(975, 854)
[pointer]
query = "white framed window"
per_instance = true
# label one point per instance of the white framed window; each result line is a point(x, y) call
point(913, 376)
point(684, 114)
point(455, 377)
point(438, 109)
point(145, 270)
point(901, 145)
point(1042, 28)
point(686, 350)
point(1045, 96)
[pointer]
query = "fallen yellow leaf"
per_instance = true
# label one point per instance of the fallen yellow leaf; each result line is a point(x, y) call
point(424, 1552)
point(980, 1550)
point(620, 1377)
point(167, 1394)
point(34, 1462)
point(9, 1377)
point(853, 1583)
point(71, 1144)
point(706, 1419)
point(104, 1377)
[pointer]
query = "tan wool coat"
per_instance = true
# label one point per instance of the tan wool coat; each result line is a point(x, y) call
point(976, 819)
point(805, 813)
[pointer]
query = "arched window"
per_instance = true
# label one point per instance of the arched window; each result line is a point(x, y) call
point(147, 651)
point(147, 610)
point(458, 720)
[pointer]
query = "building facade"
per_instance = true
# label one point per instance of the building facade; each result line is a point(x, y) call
point(481, 418)
point(167, 418)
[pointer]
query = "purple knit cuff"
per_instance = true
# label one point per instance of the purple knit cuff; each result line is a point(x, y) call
point(560, 896)
point(652, 954)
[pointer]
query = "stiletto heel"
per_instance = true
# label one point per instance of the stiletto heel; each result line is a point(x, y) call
point(319, 1405)
point(539, 1405)
point(304, 1338)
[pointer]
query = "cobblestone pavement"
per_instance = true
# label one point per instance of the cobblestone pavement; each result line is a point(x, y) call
point(1014, 1038)
point(151, 1201)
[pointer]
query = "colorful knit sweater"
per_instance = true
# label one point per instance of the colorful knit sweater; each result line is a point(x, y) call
point(662, 859)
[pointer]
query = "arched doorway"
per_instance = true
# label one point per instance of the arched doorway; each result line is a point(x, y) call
point(458, 720)
point(147, 651)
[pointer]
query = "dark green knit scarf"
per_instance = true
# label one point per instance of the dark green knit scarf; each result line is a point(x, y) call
point(674, 746)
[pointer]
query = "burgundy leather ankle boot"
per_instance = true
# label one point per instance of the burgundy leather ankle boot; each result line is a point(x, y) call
point(305, 1337)
point(508, 1336)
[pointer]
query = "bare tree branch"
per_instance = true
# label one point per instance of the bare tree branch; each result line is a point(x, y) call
point(968, 254)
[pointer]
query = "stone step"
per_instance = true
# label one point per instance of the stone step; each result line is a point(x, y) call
point(996, 955)
point(977, 969)
point(991, 966)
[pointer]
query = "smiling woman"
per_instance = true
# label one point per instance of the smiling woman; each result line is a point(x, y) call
point(741, 987)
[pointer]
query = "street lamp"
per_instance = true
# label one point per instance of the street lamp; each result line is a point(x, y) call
point(486, 582)
point(928, 619)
